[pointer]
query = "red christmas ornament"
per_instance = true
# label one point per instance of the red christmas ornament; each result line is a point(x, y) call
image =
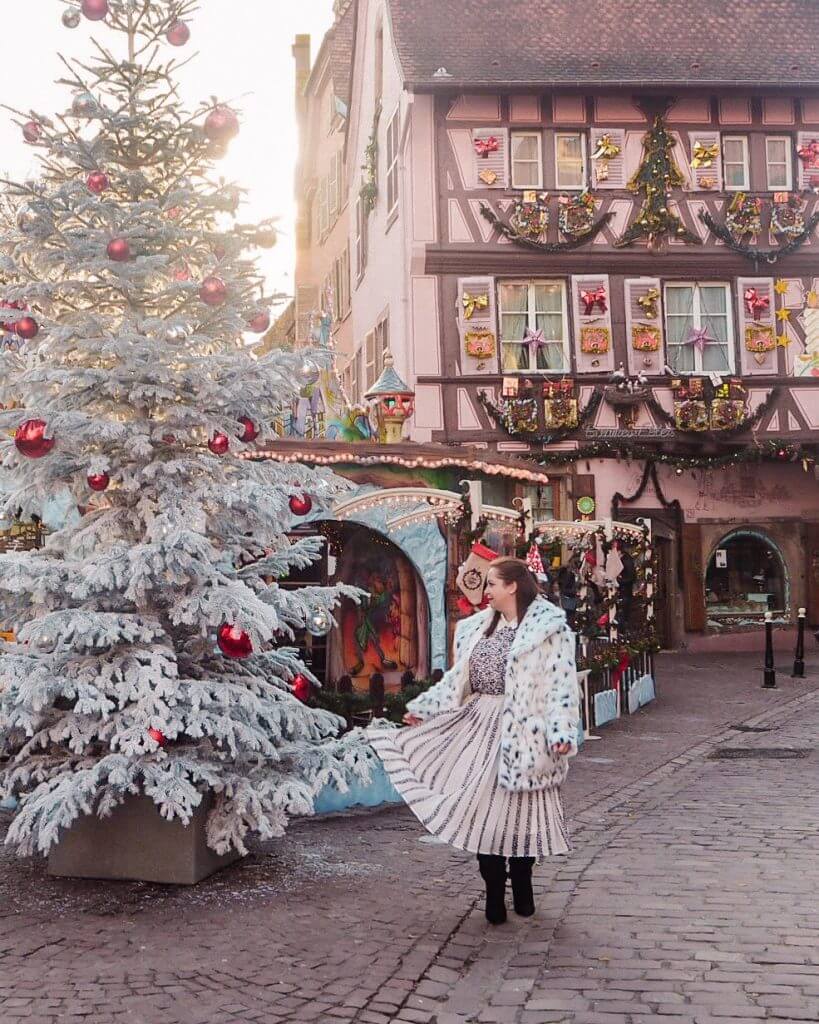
point(95, 10)
point(260, 322)
point(213, 291)
point(158, 737)
point(31, 441)
point(234, 642)
point(98, 182)
point(250, 432)
point(118, 250)
point(32, 130)
point(181, 274)
point(178, 33)
point(221, 125)
point(301, 687)
point(301, 506)
point(173, 213)
point(98, 481)
point(219, 443)
point(27, 328)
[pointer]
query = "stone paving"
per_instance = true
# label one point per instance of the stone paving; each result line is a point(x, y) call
point(691, 894)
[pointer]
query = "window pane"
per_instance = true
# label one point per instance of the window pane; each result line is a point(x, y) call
point(548, 298)
point(776, 151)
point(713, 299)
point(525, 147)
point(569, 160)
point(514, 298)
point(734, 151)
point(515, 357)
point(550, 358)
point(551, 324)
point(735, 175)
point(680, 301)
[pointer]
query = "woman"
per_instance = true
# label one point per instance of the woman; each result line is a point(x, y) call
point(482, 765)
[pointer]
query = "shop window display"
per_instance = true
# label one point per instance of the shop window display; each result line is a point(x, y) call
point(745, 578)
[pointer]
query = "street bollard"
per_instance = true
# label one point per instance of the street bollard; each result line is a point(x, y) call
point(799, 659)
point(769, 680)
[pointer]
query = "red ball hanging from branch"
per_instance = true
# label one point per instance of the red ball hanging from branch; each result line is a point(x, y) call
point(221, 125)
point(178, 33)
point(118, 250)
point(32, 131)
point(158, 737)
point(98, 481)
point(30, 439)
point(219, 443)
point(27, 327)
point(213, 291)
point(301, 505)
point(98, 182)
point(250, 431)
point(95, 10)
point(234, 642)
point(301, 687)
point(260, 322)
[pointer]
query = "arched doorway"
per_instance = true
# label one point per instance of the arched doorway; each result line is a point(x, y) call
point(746, 577)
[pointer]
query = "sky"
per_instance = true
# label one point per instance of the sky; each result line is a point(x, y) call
point(242, 53)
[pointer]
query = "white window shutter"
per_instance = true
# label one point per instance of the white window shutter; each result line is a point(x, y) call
point(757, 326)
point(608, 173)
point(705, 179)
point(477, 325)
point(492, 170)
point(644, 325)
point(592, 323)
point(808, 169)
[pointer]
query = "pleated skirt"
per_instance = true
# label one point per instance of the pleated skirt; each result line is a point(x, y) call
point(446, 770)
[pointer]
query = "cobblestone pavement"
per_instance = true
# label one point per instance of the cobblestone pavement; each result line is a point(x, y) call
point(691, 894)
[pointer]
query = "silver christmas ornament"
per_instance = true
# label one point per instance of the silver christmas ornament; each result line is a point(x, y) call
point(175, 334)
point(319, 623)
point(84, 105)
point(71, 17)
point(27, 220)
point(309, 372)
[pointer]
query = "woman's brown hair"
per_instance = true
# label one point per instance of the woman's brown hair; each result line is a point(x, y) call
point(514, 570)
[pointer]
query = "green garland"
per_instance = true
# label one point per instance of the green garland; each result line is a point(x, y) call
point(766, 451)
point(547, 247)
point(770, 256)
point(738, 428)
point(560, 434)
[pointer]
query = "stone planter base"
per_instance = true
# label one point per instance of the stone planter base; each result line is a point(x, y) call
point(135, 843)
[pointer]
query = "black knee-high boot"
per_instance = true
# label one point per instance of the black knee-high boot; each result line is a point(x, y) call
point(520, 871)
point(493, 872)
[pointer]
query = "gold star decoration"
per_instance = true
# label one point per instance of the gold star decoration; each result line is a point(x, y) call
point(780, 286)
point(783, 341)
point(783, 315)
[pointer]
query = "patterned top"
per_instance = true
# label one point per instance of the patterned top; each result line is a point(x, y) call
point(487, 664)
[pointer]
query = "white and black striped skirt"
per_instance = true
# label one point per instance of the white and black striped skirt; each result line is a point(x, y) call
point(446, 769)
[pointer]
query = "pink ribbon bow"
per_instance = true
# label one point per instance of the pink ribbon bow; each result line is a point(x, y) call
point(809, 154)
point(756, 303)
point(699, 338)
point(592, 298)
point(483, 147)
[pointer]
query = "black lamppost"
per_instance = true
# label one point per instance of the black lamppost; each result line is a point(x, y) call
point(769, 677)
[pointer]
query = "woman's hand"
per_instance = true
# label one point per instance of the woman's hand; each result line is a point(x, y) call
point(410, 719)
point(561, 749)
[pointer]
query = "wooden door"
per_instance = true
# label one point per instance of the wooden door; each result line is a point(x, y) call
point(693, 578)
point(664, 582)
point(812, 560)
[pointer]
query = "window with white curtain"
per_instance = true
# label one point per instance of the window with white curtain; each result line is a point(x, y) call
point(533, 306)
point(570, 162)
point(778, 162)
point(735, 169)
point(527, 160)
point(699, 327)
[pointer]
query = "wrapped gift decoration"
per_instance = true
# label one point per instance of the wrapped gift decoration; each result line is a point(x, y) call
point(560, 411)
point(510, 387)
point(759, 338)
point(726, 413)
point(645, 338)
point(479, 344)
point(556, 388)
point(691, 414)
point(595, 340)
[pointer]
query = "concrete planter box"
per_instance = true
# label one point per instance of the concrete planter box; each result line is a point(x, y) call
point(135, 843)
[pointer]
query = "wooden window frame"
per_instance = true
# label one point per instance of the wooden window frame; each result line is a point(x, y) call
point(729, 316)
point(527, 134)
point(746, 163)
point(361, 223)
point(584, 163)
point(788, 141)
point(531, 316)
point(393, 145)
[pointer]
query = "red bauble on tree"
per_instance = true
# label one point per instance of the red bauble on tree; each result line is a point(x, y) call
point(118, 250)
point(27, 327)
point(178, 33)
point(213, 291)
point(95, 10)
point(158, 737)
point(301, 687)
point(98, 182)
point(31, 441)
point(250, 431)
point(219, 443)
point(234, 642)
point(32, 131)
point(181, 273)
point(301, 505)
point(260, 322)
point(221, 125)
point(98, 481)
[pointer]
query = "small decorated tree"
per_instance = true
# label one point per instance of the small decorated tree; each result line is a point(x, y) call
point(147, 657)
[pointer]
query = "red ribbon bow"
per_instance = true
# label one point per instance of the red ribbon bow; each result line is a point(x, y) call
point(483, 147)
point(809, 154)
point(756, 303)
point(592, 298)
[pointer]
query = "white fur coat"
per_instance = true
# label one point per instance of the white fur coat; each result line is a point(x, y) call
point(541, 702)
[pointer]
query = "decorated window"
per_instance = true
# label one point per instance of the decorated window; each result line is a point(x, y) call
point(527, 160)
point(699, 329)
point(745, 578)
point(534, 326)
point(392, 162)
point(735, 168)
point(778, 163)
point(570, 161)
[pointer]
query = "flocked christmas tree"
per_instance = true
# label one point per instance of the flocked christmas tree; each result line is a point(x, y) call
point(151, 650)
